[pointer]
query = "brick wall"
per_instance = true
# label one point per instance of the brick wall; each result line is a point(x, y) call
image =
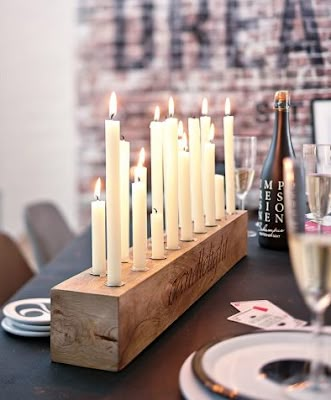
point(146, 50)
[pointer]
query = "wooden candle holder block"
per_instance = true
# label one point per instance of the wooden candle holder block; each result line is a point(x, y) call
point(105, 328)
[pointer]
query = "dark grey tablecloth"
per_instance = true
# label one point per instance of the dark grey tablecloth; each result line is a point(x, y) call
point(26, 371)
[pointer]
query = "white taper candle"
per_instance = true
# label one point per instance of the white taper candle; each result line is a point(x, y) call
point(156, 135)
point(157, 238)
point(139, 216)
point(219, 197)
point(113, 204)
point(125, 198)
point(98, 232)
point(229, 160)
point(171, 177)
point(184, 192)
point(196, 177)
point(209, 179)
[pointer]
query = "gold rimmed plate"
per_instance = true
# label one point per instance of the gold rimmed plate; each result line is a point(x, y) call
point(211, 384)
point(234, 368)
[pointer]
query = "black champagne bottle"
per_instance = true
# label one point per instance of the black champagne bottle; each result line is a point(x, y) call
point(271, 215)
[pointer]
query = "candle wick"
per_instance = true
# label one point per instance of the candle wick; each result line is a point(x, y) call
point(122, 137)
point(112, 116)
point(155, 210)
point(97, 197)
point(139, 179)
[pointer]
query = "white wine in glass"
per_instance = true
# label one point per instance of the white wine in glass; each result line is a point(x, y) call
point(317, 164)
point(244, 161)
point(311, 262)
point(244, 179)
point(318, 190)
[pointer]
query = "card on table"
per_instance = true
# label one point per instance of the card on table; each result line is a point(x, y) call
point(263, 305)
point(264, 315)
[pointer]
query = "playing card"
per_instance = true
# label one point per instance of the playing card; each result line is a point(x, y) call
point(264, 315)
point(263, 305)
point(265, 319)
point(292, 323)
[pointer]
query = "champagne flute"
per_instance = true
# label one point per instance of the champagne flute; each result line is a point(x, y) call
point(311, 262)
point(244, 160)
point(317, 163)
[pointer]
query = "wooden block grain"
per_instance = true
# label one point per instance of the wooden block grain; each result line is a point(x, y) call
point(96, 326)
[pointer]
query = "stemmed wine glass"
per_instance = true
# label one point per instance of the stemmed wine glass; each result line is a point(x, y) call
point(317, 163)
point(244, 161)
point(310, 253)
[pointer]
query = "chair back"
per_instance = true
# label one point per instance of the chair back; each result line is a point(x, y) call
point(14, 269)
point(47, 230)
point(321, 120)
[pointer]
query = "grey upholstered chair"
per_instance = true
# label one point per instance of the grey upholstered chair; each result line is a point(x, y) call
point(47, 230)
point(14, 269)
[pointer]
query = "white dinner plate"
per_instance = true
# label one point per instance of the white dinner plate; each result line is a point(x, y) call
point(29, 327)
point(236, 363)
point(190, 387)
point(8, 326)
point(29, 311)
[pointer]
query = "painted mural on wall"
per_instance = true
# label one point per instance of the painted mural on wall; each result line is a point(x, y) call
point(146, 50)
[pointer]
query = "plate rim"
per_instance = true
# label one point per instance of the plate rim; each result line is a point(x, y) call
point(191, 388)
point(216, 387)
point(27, 327)
point(24, 333)
point(206, 380)
point(18, 318)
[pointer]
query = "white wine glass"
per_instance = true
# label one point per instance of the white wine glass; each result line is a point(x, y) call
point(317, 164)
point(244, 161)
point(310, 253)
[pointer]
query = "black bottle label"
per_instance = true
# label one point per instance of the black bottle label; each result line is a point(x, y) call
point(271, 209)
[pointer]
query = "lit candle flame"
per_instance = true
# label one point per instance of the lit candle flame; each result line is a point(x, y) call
point(112, 105)
point(180, 129)
point(227, 107)
point(141, 157)
point(97, 189)
point(204, 107)
point(157, 113)
point(184, 141)
point(212, 132)
point(171, 107)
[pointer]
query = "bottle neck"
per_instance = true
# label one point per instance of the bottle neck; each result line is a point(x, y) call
point(281, 141)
